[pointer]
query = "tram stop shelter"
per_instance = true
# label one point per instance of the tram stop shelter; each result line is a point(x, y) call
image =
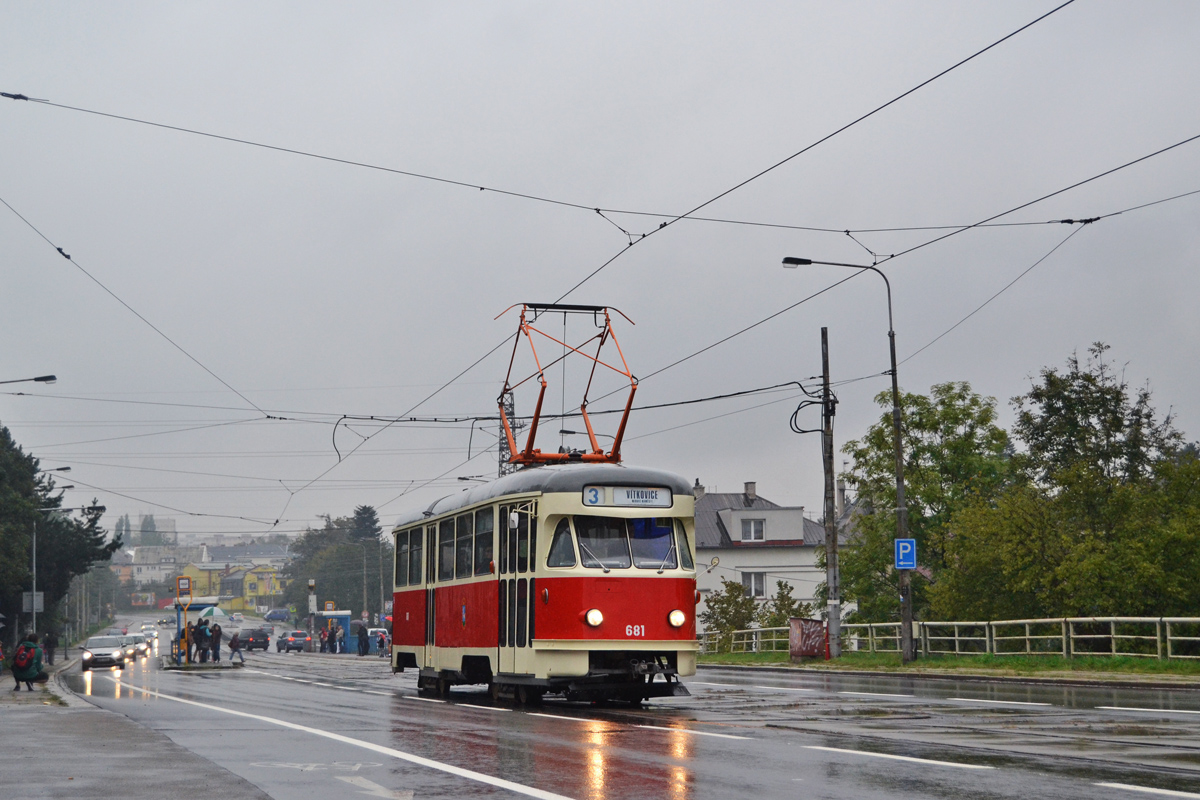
point(184, 612)
point(330, 618)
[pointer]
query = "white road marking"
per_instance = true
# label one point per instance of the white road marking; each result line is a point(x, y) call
point(422, 699)
point(370, 691)
point(997, 702)
point(897, 758)
point(557, 716)
point(479, 777)
point(1148, 790)
point(690, 730)
point(747, 686)
point(1151, 710)
point(480, 708)
point(878, 694)
point(374, 789)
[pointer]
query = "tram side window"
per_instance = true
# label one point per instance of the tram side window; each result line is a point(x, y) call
point(462, 552)
point(685, 551)
point(562, 549)
point(502, 545)
point(402, 558)
point(431, 552)
point(522, 545)
point(414, 556)
point(446, 550)
point(512, 542)
point(484, 525)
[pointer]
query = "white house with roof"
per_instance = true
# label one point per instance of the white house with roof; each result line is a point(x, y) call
point(757, 543)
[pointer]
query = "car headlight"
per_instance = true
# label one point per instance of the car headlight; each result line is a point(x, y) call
point(677, 618)
point(116, 654)
point(593, 617)
point(87, 655)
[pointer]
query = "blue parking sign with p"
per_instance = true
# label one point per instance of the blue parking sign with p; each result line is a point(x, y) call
point(906, 554)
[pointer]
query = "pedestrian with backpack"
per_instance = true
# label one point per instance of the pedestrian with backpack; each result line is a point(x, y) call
point(27, 663)
point(235, 648)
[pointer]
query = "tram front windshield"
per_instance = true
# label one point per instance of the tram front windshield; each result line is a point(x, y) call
point(613, 543)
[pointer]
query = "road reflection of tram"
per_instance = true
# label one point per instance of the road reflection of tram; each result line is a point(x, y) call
point(573, 576)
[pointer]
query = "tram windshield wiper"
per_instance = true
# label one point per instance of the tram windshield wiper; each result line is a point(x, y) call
point(667, 557)
point(593, 556)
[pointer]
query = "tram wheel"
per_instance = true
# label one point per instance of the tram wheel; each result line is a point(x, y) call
point(443, 688)
point(529, 696)
point(494, 691)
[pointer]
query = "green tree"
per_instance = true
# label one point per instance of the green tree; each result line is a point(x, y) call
point(67, 545)
point(148, 533)
point(782, 607)
point(334, 557)
point(953, 452)
point(730, 609)
point(1105, 516)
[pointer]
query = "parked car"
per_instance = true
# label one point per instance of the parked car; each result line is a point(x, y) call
point(237, 616)
point(259, 638)
point(292, 640)
point(277, 615)
point(102, 651)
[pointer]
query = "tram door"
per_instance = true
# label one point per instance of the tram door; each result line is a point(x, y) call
point(517, 542)
point(426, 660)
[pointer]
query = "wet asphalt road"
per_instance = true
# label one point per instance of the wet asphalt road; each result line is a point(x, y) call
point(307, 726)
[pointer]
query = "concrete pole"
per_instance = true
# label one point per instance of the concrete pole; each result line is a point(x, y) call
point(832, 573)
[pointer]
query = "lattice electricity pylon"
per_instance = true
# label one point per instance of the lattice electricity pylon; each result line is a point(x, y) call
point(506, 464)
point(529, 455)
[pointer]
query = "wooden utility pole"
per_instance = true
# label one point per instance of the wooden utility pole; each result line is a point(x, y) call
point(832, 575)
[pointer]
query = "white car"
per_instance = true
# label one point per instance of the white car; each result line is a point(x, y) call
point(237, 616)
point(149, 631)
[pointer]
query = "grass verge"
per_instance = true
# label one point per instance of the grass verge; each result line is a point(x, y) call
point(1047, 666)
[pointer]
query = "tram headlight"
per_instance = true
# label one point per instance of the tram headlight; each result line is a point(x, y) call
point(593, 617)
point(677, 618)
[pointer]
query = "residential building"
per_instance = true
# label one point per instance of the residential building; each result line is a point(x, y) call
point(250, 555)
point(160, 563)
point(757, 542)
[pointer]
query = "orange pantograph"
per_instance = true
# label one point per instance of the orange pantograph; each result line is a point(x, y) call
point(529, 455)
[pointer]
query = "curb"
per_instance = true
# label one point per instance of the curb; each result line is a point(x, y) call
point(977, 678)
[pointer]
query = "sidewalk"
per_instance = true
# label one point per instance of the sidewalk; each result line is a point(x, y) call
point(56, 744)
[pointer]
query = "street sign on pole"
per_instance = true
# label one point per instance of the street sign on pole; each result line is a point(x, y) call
point(312, 604)
point(906, 554)
point(33, 602)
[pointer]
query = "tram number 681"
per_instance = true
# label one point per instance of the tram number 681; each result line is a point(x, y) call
point(635, 630)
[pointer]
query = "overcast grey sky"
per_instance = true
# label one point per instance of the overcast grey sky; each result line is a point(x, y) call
point(317, 289)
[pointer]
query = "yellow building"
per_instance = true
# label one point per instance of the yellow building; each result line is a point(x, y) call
point(246, 588)
point(206, 578)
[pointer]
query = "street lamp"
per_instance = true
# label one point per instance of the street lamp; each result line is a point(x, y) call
point(908, 652)
point(40, 379)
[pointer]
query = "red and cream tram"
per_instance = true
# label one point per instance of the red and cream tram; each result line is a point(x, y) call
point(576, 579)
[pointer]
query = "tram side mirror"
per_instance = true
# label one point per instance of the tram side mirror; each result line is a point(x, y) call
point(514, 520)
point(712, 564)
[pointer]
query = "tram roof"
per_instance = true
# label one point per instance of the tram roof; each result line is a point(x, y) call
point(551, 478)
